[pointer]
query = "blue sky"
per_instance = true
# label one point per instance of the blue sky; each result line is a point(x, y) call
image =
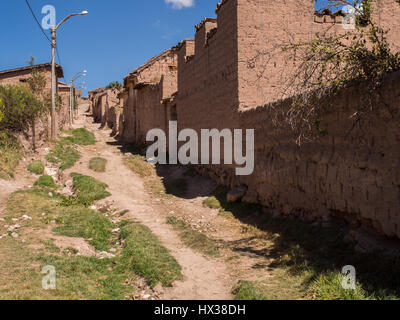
point(111, 41)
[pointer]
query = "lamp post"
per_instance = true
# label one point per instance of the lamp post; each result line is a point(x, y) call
point(72, 95)
point(54, 29)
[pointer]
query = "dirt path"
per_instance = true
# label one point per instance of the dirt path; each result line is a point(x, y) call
point(204, 278)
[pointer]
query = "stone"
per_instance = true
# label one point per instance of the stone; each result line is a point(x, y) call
point(116, 230)
point(69, 184)
point(236, 194)
point(26, 217)
point(15, 235)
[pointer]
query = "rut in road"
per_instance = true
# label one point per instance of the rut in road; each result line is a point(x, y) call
point(205, 278)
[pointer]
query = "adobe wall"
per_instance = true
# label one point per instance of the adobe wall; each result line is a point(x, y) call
point(42, 128)
point(267, 26)
point(145, 90)
point(348, 175)
point(208, 73)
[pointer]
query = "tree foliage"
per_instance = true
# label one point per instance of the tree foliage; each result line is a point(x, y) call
point(329, 63)
point(115, 85)
point(21, 106)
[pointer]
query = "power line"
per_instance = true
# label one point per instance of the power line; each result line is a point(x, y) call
point(37, 21)
point(44, 33)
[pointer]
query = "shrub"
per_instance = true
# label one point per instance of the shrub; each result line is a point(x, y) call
point(20, 108)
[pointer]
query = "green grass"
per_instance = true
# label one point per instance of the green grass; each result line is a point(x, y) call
point(139, 165)
point(98, 164)
point(64, 153)
point(45, 182)
point(248, 290)
point(64, 156)
point(194, 239)
point(144, 255)
point(89, 189)
point(10, 155)
point(80, 222)
point(78, 277)
point(36, 167)
point(307, 258)
point(80, 137)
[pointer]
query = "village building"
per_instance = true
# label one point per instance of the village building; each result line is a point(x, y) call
point(234, 72)
point(19, 76)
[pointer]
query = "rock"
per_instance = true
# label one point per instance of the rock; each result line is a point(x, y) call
point(93, 208)
point(104, 254)
point(116, 230)
point(51, 194)
point(26, 217)
point(146, 296)
point(113, 250)
point(66, 192)
point(14, 220)
point(13, 228)
point(15, 235)
point(236, 194)
point(2, 220)
point(69, 184)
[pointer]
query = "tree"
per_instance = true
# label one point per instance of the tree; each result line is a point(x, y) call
point(327, 64)
point(115, 85)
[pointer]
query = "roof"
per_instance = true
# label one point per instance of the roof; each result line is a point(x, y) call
point(97, 90)
point(59, 69)
point(150, 62)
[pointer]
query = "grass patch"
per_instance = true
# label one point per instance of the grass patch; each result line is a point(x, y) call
point(89, 189)
point(98, 164)
point(64, 156)
point(194, 239)
point(64, 153)
point(143, 254)
point(139, 165)
point(10, 155)
point(36, 167)
point(80, 137)
point(77, 277)
point(45, 182)
point(80, 222)
point(248, 290)
point(308, 258)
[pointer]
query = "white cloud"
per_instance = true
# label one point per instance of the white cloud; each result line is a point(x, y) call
point(180, 4)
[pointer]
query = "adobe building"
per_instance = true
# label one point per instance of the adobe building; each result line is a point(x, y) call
point(147, 89)
point(234, 72)
point(19, 76)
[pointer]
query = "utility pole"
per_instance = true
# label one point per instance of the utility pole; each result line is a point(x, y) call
point(53, 133)
point(54, 29)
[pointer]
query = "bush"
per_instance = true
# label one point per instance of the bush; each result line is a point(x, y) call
point(10, 154)
point(36, 167)
point(20, 108)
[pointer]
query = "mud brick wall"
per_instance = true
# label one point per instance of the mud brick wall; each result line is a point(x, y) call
point(145, 90)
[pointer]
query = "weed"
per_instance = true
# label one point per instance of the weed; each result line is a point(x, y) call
point(80, 137)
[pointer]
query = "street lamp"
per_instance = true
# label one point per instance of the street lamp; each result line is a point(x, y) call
point(53, 71)
point(72, 95)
